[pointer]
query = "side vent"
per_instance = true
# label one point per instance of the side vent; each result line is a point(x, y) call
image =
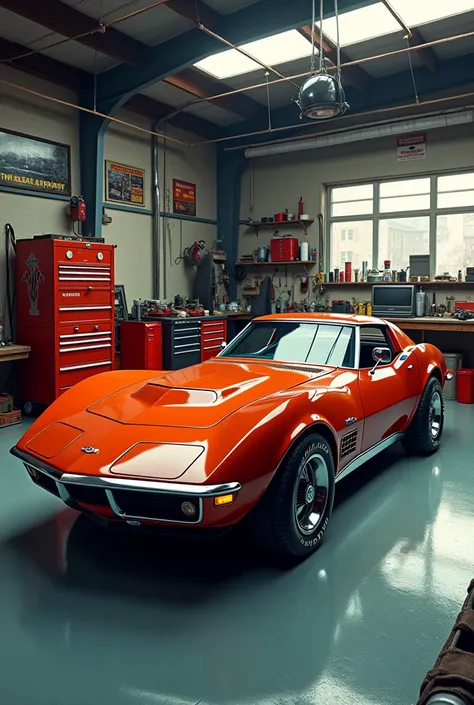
point(348, 443)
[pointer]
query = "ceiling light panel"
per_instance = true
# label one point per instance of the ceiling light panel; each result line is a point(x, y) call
point(274, 50)
point(376, 21)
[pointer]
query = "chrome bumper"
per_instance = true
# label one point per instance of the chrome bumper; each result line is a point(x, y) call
point(111, 484)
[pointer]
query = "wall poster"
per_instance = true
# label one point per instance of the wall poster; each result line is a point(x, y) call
point(124, 184)
point(184, 197)
point(34, 164)
point(411, 147)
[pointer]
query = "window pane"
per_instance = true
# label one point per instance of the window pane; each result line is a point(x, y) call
point(455, 242)
point(356, 248)
point(333, 345)
point(456, 182)
point(352, 193)
point(455, 200)
point(352, 208)
point(401, 237)
point(406, 187)
point(405, 203)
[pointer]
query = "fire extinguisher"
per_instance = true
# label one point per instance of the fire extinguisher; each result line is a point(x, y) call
point(77, 209)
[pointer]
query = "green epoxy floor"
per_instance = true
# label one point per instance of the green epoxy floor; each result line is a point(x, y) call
point(86, 619)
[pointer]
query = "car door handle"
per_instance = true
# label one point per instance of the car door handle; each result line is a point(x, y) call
point(410, 367)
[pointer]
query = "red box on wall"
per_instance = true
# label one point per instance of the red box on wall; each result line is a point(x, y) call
point(141, 346)
point(464, 305)
point(284, 249)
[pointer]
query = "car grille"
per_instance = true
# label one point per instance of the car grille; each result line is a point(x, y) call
point(130, 504)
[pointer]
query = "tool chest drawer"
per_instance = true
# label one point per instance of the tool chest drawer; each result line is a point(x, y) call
point(68, 274)
point(83, 253)
point(212, 335)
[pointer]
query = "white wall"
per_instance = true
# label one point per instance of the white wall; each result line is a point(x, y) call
point(132, 232)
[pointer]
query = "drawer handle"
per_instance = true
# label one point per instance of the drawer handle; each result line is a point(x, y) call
point(186, 337)
point(83, 335)
point(85, 308)
point(186, 329)
point(86, 341)
point(85, 347)
point(185, 345)
point(187, 352)
point(210, 340)
point(76, 328)
point(83, 279)
point(212, 347)
point(84, 367)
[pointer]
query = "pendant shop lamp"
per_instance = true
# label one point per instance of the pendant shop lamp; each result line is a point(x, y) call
point(322, 96)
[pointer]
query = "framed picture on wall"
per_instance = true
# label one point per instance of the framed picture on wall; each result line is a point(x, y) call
point(34, 164)
point(124, 184)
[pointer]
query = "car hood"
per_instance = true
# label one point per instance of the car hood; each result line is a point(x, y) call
point(203, 395)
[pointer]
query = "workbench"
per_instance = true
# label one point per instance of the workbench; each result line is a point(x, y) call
point(9, 353)
point(433, 323)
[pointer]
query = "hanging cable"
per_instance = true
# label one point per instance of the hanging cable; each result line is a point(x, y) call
point(268, 103)
point(321, 47)
point(338, 42)
point(417, 99)
point(313, 43)
point(10, 294)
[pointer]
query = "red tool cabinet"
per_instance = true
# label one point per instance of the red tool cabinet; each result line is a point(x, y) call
point(213, 334)
point(65, 294)
point(140, 346)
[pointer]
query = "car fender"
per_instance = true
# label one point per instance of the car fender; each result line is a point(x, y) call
point(430, 361)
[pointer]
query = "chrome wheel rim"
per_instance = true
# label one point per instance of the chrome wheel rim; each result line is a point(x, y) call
point(311, 494)
point(436, 415)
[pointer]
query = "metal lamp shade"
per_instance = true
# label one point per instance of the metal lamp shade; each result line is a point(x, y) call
point(321, 97)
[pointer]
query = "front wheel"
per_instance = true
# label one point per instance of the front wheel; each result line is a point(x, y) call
point(424, 434)
point(293, 515)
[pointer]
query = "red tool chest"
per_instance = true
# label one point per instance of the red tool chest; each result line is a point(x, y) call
point(141, 346)
point(213, 333)
point(65, 294)
point(284, 249)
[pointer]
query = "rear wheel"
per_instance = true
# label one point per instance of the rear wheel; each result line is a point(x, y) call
point(424, 435)
point(292, 517)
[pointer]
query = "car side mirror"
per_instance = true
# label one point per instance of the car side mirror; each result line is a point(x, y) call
point(223, 345)
point(380, 356)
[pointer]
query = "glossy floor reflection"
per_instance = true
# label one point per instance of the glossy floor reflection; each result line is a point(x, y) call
point(88, 618)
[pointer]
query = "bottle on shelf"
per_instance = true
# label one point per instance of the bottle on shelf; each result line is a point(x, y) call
point(386, 274)
point(300, 207)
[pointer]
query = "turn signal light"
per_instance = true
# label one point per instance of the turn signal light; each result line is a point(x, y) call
point(223, 499)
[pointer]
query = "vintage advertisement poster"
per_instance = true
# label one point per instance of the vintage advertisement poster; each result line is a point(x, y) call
point(34, 164)
point(124, 184)
point(411, 147)
point(184, 197)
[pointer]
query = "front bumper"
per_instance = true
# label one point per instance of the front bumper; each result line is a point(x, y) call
point(130, 500)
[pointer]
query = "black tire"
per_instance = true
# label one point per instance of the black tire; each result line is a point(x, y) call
point(278, 519)
point(424, 434)
point(31, 409)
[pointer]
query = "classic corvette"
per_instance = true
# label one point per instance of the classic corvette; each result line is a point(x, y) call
point(261, 433)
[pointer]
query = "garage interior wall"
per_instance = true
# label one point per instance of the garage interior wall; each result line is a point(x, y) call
point(131, 230)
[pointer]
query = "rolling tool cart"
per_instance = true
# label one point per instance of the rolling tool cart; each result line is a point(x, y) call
point(65, 294)
point(451, 680)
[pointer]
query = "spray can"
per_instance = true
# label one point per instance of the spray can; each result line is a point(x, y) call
point(356, 275)
point(348, 271)
point(341, 277)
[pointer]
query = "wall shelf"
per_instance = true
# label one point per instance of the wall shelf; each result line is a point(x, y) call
point(276, 264)
point(448, 285)
point(256, 224)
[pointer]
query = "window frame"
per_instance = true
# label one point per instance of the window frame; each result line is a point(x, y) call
point(433, 212)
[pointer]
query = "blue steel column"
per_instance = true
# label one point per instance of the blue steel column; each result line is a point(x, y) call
point(230, 167)
point(91, 144)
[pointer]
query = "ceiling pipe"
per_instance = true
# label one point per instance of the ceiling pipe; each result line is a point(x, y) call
point(397, 17)
point(295, 126)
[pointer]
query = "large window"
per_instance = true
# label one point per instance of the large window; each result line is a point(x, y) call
point(393, 219)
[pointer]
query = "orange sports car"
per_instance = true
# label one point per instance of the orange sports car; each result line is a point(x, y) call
point(261, 433)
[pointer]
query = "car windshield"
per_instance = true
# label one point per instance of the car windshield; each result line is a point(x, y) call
point(286, 341)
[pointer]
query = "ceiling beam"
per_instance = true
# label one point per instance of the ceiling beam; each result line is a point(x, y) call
point(66, 20)
point(353, 74)
point(155, 109)
point(195, 11)
point(201, 86)
point(427, 56)
point(43, 66)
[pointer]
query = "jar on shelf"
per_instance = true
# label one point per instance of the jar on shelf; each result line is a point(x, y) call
point(386, 274)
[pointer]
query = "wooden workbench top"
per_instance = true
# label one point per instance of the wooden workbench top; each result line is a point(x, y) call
point(433, 323)
point(9, 353)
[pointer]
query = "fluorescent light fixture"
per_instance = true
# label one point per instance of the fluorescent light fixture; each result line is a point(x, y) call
point(376, 21)
point(274, 50)
point(392, 129)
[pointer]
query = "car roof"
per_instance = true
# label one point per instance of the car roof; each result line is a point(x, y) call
point(345, 318)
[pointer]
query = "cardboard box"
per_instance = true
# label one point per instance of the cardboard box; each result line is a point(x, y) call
point(10, 418)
